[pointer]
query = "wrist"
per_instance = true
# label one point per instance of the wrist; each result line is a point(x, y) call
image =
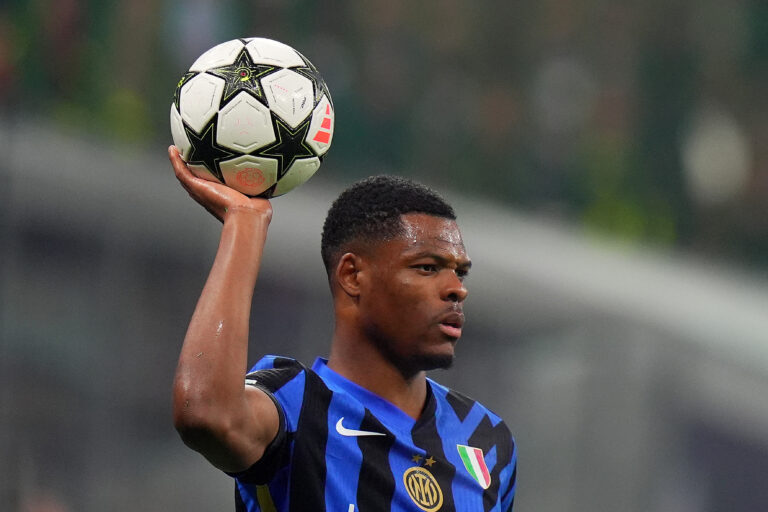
point(245, 227)
point(247, 215)
point(242, 241)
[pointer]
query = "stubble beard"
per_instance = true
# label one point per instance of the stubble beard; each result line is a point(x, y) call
point(412, 364)
point(435, 361)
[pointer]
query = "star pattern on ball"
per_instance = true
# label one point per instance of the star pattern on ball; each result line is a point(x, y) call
point(177, 93)
point(289, 146)
point(205, 151)
point(311, 72)
point(242, 75)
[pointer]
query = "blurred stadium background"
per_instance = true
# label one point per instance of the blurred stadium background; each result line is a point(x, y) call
point(609, 164)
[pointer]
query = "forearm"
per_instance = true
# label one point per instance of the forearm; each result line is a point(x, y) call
point(213, 359)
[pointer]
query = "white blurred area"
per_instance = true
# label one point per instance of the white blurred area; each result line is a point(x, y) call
point(717, 157)
point(632, 378)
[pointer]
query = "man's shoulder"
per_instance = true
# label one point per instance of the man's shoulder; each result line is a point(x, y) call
point(463, 405)
point(273, 362)
point(272, 372)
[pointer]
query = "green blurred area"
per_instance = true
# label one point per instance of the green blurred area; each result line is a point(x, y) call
point(594, 112)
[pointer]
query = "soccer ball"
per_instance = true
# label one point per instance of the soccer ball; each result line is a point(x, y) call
point(253, 114)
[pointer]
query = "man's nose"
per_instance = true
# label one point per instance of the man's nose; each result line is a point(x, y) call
point(454, 290)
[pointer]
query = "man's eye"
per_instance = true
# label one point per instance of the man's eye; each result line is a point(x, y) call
point(428, 267)
point(462, 274)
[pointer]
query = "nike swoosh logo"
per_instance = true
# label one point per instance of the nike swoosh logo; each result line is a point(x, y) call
point(354, 433)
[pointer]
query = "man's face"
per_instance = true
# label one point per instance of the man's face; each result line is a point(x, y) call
point(412, 303)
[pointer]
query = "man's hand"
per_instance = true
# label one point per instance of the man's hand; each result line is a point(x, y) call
point(218, 199)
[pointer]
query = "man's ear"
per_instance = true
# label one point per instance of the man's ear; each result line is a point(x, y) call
point(348, 273)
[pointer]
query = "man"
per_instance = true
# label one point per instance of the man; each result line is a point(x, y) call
point(364, 430)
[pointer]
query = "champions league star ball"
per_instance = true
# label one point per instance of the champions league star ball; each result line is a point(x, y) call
point(253, 114)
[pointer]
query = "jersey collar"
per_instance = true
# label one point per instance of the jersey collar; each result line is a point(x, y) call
point(383, 409)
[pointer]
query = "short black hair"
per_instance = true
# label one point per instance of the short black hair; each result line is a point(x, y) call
point(370, 210)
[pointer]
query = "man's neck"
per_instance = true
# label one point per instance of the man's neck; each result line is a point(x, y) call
point(366, 367)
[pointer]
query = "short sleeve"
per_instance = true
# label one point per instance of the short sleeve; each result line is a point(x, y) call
point(273, 375)
point(275, 455)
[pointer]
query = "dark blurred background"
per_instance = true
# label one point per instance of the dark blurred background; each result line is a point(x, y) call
point(609, 164)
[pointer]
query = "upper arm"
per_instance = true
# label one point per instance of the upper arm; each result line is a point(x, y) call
point(235, 440)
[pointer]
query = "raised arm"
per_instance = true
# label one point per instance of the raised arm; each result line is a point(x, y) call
point(214, 411)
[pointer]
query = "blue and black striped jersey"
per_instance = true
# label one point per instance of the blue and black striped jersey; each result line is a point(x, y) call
point(341, 448)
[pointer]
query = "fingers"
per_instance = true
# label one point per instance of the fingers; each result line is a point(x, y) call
point(195, 187)
point(179, 166)
point(188, 180)
point(215, 197)
point(180, 169)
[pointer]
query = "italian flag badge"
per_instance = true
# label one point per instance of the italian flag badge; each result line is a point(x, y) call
point(475, 464)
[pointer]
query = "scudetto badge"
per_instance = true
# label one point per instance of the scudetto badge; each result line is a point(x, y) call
point(423, 489)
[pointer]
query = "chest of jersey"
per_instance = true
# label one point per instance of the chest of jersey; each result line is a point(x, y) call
point(376, 458)
point(346, 449)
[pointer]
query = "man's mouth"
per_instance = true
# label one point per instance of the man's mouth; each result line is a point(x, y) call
point(451, 331)
point(451, 325)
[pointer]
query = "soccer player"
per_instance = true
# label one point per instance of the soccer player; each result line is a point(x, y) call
point(364, 430)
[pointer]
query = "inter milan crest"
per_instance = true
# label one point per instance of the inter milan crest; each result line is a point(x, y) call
point(474, 462)
point(423, 488)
